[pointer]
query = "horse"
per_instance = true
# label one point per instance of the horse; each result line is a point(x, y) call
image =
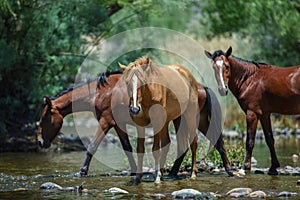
point(260, 89)
point(95, 96)
point(156, 99)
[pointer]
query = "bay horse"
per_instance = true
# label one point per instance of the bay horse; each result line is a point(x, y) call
point(159, 95)
point(93, 96)
point(96, 96)
point(260, 90)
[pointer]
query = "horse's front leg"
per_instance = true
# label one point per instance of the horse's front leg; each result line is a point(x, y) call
point(140, 154)
point(252, 121)
point(267, 128)
point(92, 148)
point(156, 152)
point(165, 146)
point(123, 136)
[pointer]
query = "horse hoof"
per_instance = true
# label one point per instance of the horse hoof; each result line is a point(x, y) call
point(229, 172)
point(78, 174)
point(273, 172)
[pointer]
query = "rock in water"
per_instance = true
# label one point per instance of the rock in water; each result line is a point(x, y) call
point(116, 190)
point(50, 186)
point(286, 194)
point(239, 192)
point(191, 194)
point(258, 194)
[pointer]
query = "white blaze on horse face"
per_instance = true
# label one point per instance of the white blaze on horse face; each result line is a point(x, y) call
point(134, 89)
point(219, 63)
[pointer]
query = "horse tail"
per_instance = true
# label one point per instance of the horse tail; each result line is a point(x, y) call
point(215, 115)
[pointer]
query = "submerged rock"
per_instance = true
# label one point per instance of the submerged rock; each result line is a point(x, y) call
point(239, 192)
point(116, 190)
point(191, 194)
point(50, 186)
point(286, 194)
point(258, 194)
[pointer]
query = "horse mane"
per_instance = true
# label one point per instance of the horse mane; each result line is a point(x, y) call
point(101, 81)
point(137, 68)
point(220, 52)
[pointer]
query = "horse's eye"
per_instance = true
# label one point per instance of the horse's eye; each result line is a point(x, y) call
point(227, 67)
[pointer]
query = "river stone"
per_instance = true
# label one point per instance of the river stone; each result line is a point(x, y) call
point(191, 194)
point(239, 192)
point(286, 194)
point(116, 190)
point(258, 194)
point(50, 186)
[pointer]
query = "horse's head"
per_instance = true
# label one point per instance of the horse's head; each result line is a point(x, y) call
point(135, 76)
point(221, 67)
point(49, 124)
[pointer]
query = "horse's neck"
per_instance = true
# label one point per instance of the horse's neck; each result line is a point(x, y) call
point(241, 71)
point(77, 100)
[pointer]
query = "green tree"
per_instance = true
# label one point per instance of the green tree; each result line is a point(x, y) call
point(43, 42)
point(272, 27)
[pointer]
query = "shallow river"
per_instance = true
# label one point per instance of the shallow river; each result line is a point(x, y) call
point(21, 175)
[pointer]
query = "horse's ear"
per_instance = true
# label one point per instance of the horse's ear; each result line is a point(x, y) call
point(228, 52)
point(47, 101)
point(123, 67)
point(209, 55)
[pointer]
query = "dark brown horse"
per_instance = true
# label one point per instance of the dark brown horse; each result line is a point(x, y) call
point(95, 96)
point(260, 89)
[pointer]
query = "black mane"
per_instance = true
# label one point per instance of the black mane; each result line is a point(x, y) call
point(220, 52)
point(101, 81)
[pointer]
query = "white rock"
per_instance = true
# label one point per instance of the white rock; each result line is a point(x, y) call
point(116, 190)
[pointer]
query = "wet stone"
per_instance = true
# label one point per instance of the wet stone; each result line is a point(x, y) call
point(50, 186)
point(239, 192)
point(191, 194)
point(258, 194)
point(116, 190)
point(286, 194)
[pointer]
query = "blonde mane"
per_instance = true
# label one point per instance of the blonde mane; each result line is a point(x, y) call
point(148, 73)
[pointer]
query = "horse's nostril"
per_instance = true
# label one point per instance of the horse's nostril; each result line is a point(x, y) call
point(134, 110)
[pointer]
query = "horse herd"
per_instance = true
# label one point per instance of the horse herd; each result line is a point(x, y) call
point(146, 95)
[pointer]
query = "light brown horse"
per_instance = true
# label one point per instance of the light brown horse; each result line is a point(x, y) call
point(260, 89)
point(96, 96)
point(159, 95)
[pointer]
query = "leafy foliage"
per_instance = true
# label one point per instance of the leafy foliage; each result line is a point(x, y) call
point(272, 27)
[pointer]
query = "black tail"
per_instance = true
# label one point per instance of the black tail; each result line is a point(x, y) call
point(215, 114)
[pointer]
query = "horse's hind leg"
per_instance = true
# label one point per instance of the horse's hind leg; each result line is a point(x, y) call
point(182, 147)
point(267, 128)
point(220, 148)
point(123, 136)
point(165, 146)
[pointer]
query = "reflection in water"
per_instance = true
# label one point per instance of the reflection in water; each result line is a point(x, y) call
point(21, 175)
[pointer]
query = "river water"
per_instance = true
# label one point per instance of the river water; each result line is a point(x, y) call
point(21, 175)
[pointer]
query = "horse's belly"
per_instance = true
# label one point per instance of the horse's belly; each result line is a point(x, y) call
point(289, 106)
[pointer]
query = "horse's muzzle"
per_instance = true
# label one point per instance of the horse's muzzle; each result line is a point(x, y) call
point(223, 91)
point(134, 110)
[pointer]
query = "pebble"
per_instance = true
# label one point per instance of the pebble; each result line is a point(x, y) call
point(295, 158)
point(239, 192)
point(258, 194)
